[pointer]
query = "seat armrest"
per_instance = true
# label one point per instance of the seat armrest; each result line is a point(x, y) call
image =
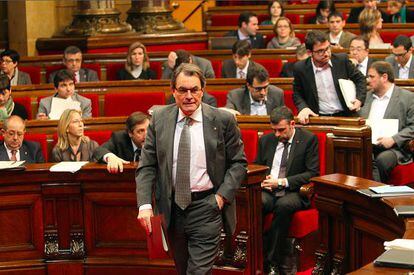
point(307, 190)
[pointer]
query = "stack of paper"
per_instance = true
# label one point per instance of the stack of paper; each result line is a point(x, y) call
point(59, 105)
point(7, 165)
point(382, 128)
point(348, 90)
point(404, 244)
point(68, 166)
point(387, 189)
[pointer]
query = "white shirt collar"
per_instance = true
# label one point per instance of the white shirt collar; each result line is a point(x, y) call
point(387, 95)
point(242, 36)
point(336, 39)
point(196, 116)
point(364, 62)
point(315, 69)
point(9, 150)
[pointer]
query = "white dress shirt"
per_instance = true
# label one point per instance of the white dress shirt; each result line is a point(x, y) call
point(328, 98)
point(77, 76)
point(136, 72)
point(379, 104)
point(404, 72)
point(336, 39)
point(363, 66)
point(9, 153)
point(242, 36)
point(278, 158)
point(244, 70)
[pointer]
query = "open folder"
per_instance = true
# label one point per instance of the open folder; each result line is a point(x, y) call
point(157, 241)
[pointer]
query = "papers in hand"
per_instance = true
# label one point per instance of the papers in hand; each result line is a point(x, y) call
point(59, 105)
point(348, 91)
point(403, 244)
point(388, 189)
point(68, 166)
point(382, 128)
point(7, 165)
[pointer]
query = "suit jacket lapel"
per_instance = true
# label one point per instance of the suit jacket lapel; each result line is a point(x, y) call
point(170, 123)
point(24, 153)
point(3, 153)
point(210, 130)
point(311, 75)
point(295, 141)
point(269, 103)
point(367, 106)
point(392, 103)
point(246, 104)
point(82, 75)
point(270, 155)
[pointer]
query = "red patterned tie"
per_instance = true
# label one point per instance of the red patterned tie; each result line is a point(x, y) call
point(13, 156)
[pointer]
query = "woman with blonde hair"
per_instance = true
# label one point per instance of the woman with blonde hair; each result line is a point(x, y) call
point(284, 35)
point(370, 22)
point(137, 64)
point(72, 145)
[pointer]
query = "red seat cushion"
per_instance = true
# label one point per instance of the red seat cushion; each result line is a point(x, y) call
point(27, 104)
point(156, 66)
point(402, 175)
point(250, 140)
point(273, 66)
point(307, 17)
point(42, 139)
point(224, 19)
point(94, 102)
point(288, 97)
point(51, 69)
point(303, 223)
point(33, 71)
point(294, 18)
point(123, 104)
point(221, 97)
point(100, 136)
point(112, 69)
point(388, 36)
point(93, 66)
point(217, 66)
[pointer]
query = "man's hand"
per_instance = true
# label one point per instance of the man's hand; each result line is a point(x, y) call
point(144, 218)
point(354, 61)
point(386, 142)
point(42, 116)
point(220, 201)
point(304, 114)
point(356, 105)
point(115, 164)
point(172, 56)
point(232, 111)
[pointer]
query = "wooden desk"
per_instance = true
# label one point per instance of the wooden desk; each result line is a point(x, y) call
point(353, 227)
point(63, 223)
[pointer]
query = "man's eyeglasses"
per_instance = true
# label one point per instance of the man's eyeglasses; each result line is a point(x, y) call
point(11, 133)
point(323, 51)
point(183, 91)
point(6, 61)
point(258, 89)
point(400, 54)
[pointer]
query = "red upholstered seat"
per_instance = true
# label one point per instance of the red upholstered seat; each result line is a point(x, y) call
point(301, 36)
point(94, 102)
point(250, 140)
point(402, 175)
point(224, 20)
point(93, 66)
point(294, 18)
point(27, 103)
point(51, 69)
point(388, 36)
point(288, 97)
point(123, 104)
point(112, 69)
point(42, 139)
point(156, 66)
point(273, 66)
point(33, 71)
point(100, 136)
point(217, 66)
point(307, 17)
point(221, 97)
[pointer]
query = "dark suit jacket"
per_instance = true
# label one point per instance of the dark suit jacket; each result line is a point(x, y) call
point(287, 69)
point(257, 41)
point(29, 151)
point(304, 86)
point(239, 99)
point(229, 69)
point(207, 98)
point(19, 110)
point(303, 159)
point(85, 75)
point(123, 74)
point(226, 162)
point(120, 144)
point(355, 12)
point(391, 59)
point(203, 63)
point(401, 107)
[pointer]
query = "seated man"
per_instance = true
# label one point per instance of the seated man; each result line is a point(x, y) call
point(72, 59)
point(9, 59)
point(248, 26)
point(301, 54)
point(186, 57)
point(14, 147)
point(65, 89)
point(358, 54)
point(124, 146)
point(239, 65)
point(367, 4)
point(387, 101)
point(402, 60)
point(257, 97)
point(293, 158)
point(337, 36)
point(7, 106)
point(316, 88)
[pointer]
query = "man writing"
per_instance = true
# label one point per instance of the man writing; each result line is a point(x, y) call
point(124, 146)
point(194, 156)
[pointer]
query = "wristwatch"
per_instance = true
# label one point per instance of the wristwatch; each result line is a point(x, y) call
point(279, 183)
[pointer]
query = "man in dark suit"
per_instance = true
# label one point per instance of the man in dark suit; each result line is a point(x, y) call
point(257, 97)
point(194, 156)
point(14, 147)
point(401, 59)
point(124, 146)
point(387, 101)
point(240, 64)
point(72, 59)
point(359, 54)
point(292, 156)
point(316, 88)
point(368, 4)
point(248, 27)
point(301, 54)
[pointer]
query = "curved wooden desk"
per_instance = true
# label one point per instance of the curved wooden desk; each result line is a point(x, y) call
point(353, 227)
point(85, 222)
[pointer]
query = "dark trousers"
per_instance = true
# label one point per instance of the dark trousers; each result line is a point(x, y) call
point(194, 235)
point(282, 208)
point(383, 163)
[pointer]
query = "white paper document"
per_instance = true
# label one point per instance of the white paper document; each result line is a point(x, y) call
point(391, 189)
point(68, 166)
point(403, 244)
point(10, 164)
point(59, 105)
point(382, 128)
point(348, 91)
